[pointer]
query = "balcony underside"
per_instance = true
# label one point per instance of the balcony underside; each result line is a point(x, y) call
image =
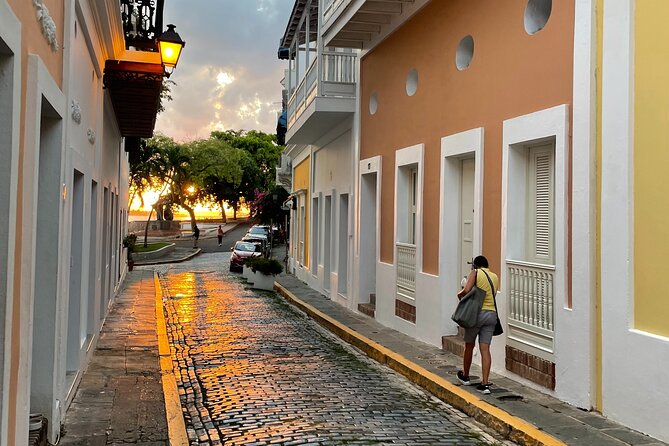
point(135, 94)
point(358, 23)
point(320, 116)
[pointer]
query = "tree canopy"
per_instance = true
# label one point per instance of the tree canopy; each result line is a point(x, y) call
point(229, 167)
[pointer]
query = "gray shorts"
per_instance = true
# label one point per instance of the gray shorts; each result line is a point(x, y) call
point(485, 326)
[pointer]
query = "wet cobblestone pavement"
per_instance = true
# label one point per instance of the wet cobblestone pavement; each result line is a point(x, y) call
point(251, 370)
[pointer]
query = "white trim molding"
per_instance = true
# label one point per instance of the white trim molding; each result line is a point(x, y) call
point(40, 87)
point(408, 156)
point(580, 324)
point(455, 148)
point(368, 166)
point(10, 35)
point(545, 125)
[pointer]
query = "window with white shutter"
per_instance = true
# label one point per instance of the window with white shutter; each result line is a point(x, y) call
point(541, 204)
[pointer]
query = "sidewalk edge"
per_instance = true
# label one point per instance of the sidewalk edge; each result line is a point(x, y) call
point(511, 427)
point(165, 262)
point(176, 426)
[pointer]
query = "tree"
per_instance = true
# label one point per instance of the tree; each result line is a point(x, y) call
point(207, 159)
point(267, 207)
point(263, 149)
point(146, 168)
point(221, 190)
point(160, 157)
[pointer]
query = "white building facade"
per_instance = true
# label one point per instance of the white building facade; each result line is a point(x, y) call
point(321, 132)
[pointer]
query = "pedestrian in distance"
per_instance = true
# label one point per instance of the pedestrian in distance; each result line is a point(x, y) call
point(196, 236)
point(482, 277)
point(219, 234)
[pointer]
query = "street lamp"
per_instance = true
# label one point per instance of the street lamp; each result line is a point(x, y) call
point(170, 49)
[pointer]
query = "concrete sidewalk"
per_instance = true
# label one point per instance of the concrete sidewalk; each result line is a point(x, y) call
point(519, 413)
point(120, 398)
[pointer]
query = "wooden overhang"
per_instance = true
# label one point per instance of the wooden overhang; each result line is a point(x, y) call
point(293, 31)
point(134, 88)
point(361, 25)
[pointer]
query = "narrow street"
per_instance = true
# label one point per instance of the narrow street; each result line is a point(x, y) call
point(251, 370)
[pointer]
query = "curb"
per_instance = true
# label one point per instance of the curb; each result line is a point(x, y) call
point(176, 427)
point(164, 262)
point(509, 426)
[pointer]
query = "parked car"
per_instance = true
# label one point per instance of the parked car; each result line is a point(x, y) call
point(261, 230)
point(260, 240)
point(242, 251)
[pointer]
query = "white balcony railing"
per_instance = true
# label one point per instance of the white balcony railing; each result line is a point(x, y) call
point(337, 80)
point(531, 298)
point(406, 270)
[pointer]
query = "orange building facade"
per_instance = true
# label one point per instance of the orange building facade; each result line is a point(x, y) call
point(450, 106)
point(63, 199)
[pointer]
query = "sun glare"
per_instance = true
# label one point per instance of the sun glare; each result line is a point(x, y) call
point(207, 210)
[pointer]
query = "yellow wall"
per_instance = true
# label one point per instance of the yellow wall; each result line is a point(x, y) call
point(651, 161)
point(301, 181)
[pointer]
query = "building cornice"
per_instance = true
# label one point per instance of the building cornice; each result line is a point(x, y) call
point(107, 15)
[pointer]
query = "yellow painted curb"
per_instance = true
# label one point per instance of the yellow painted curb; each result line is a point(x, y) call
point(511, 427)
point(176, 427)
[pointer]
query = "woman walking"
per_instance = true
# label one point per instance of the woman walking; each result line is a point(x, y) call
point(219, 234)
point(488, 281)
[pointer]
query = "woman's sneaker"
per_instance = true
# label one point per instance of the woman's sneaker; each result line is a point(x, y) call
point(463, 379)
point(484, 388)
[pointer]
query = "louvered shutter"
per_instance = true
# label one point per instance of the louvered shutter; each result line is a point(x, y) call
point(541, 206)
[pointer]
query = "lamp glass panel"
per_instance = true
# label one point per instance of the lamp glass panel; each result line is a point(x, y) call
point(170, 52)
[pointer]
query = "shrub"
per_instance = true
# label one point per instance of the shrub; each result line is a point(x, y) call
point(129, 242)
point(265, 266)
point(250, 261)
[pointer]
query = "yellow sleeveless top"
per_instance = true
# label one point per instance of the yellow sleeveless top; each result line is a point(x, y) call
point(482, 282)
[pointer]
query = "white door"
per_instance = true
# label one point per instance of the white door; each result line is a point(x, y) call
point(466, 215)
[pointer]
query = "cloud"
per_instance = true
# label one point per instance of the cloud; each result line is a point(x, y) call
point(229, 75)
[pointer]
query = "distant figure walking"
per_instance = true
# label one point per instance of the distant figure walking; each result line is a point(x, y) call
point(219, 234)
point(196, 236)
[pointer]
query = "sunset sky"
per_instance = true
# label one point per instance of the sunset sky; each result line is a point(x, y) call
point(228, 75)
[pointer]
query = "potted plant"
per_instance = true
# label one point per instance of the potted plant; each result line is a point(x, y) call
point(247, 269)
point(129, 242)
point(265, 271)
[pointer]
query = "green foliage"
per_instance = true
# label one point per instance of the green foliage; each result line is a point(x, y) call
point(263, 151)
point(165, 93)
point(250, 261)
point(266, 208)
point(129, 242)
point(265, 266)
point(228, 167)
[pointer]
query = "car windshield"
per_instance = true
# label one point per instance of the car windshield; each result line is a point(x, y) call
point(258, 230)
point(246, 247)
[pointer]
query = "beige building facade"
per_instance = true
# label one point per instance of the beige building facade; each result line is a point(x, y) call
point(63, 199)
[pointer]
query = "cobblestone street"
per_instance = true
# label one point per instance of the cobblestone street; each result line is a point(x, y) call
point(251, 370)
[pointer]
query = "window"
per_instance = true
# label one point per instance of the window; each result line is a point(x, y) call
point(541, 204)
